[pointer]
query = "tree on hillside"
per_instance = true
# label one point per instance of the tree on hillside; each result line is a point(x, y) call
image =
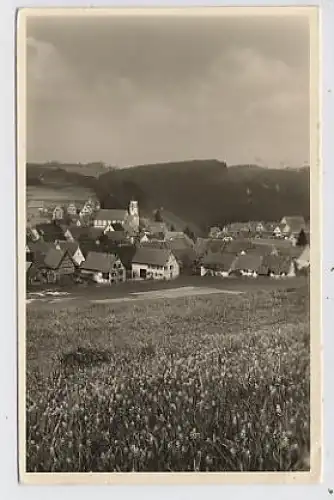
point(302, 239)
point(158, 216)
point(189, 233)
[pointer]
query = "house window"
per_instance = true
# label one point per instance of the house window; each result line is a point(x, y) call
point(171, 268)
point(165, 268)
point(105, 276)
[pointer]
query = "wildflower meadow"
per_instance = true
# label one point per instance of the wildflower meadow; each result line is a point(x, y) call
point(217, 383)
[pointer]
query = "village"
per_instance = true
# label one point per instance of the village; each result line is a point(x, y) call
point(87, 244)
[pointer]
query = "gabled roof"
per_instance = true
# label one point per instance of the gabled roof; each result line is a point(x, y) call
point(219, 261)
point(54, 258)
point(100, 262)
point(295, 222)
point(111, 214)
point(248, 262)
point(151, 256)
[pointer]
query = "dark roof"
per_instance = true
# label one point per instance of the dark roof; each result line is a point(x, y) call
point(70, 246)
point(179, 244)
point(153, 243)
point(110, 214)
point(251, 262)
point(54, 258)
point(238, 246)
point(50, 232)
point(95, 233)
point(151, 256)
point(263, 249)
point(156, 227)
point(98, 261)
point(185, 256)
point(116, 236)
point(276, 264)
point(220, 261)
point(40, 247)
point(77, 231)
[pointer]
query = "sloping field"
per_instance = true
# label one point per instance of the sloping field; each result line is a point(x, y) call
point(210, 383)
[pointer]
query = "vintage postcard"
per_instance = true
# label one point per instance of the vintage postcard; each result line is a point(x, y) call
point(169, 245)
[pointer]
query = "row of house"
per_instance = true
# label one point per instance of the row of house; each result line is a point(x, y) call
point(105, 262)
point(287, 227)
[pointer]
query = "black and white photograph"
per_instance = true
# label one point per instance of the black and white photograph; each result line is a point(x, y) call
point(167, 163)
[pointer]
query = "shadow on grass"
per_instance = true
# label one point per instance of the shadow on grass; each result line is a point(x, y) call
point(84, 357)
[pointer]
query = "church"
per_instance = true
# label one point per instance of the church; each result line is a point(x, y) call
point(114, 219)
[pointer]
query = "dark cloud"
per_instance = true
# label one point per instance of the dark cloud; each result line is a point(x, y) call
point(133, 90)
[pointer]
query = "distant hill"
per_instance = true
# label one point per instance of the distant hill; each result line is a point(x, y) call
point(200, 192)
point(209, 193)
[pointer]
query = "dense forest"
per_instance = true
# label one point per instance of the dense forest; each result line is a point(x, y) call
point(205, 192)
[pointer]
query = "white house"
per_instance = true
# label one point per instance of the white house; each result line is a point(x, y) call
point(293, 224)
point(154, 263)
point(106, 217)
point(71, 209)
point(103, 268)
point(58, 213)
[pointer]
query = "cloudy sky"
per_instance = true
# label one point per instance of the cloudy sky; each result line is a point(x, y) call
point(134, 90)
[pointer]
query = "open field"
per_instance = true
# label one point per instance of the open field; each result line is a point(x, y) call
point(38, 297)
point(50, 194)
point(214, 382)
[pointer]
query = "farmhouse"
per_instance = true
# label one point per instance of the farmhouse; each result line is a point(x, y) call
point(218, 264)
point(58, 264)
point(58, 213)
point(247, 265)
point(277, 266)
point(292, 225)
point(73, 249)
point(154, 263)
point(71, 210)
point(103, 268)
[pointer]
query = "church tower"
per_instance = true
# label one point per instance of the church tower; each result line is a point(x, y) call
point(133, 208)
point(134, 215)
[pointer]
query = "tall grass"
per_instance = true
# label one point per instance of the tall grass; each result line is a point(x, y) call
point(197, 384)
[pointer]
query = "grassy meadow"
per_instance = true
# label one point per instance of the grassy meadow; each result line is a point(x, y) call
point(217, 383)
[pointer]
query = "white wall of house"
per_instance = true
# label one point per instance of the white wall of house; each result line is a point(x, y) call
point(105, 223)
point(78, 257)
point(170, 270)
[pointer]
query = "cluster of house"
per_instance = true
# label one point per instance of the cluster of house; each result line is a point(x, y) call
point(118, 245)
point(287, 228)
